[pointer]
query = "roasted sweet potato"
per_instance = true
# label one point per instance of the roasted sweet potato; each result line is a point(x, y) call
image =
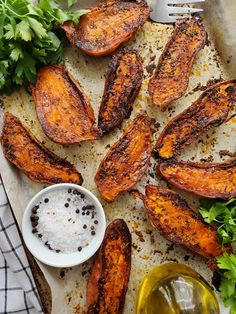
point(177, 222)
point(127, 160)
point(171, 77)
point(210, 110)
point(35, 160)
point(62, 108)
point(211, 180)
point(109, 278)
point(123, 82)
point(107, 25)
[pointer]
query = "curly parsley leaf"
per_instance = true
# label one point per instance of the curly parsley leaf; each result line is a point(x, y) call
point(27, 40)
point(223, 214)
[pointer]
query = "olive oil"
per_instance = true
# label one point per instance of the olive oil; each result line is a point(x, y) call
point(175, 289)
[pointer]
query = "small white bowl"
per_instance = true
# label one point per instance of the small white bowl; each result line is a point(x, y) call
point(49, 257)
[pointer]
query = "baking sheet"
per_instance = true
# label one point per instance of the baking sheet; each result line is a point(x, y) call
point(149, 249)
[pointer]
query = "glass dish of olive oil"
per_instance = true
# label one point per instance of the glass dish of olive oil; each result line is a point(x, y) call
point(174, 288)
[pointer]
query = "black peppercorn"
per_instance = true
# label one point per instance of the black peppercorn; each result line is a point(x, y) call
point(34, 210)
point(34, 218)
point(34, 224)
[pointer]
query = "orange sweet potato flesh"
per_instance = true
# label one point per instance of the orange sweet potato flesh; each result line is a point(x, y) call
point(171, 77)
point(110, 273)
point(30, 156)
point(210, 110)
point(62, 108)
point(123, 82)
point(107, 26)
point(211, 180)
point(175, 220)
point(127, 160)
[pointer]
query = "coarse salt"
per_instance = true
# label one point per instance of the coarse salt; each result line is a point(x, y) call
point(62, 224)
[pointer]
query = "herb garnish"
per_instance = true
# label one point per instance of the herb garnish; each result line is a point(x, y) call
point(228, 280)
point(27, 40)
point(223, 214)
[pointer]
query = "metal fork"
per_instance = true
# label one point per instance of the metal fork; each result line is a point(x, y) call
point(165, 11)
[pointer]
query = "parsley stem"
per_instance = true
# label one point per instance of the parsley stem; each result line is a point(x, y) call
point(5, 6)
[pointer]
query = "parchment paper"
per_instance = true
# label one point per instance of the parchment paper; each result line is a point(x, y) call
point(149, 249)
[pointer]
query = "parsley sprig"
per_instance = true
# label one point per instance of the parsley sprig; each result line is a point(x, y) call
point(228, 280)
point(223, 214)
point(28, 40)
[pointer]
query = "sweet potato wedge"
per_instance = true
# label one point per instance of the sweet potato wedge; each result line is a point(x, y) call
point(127, 160)
point(210, 110)
point(171, 77)
point(109, 278)
point(177, 222)
point(123, 82)
point(62, 108)
point(35, 160)
point(107, 26)
point(211, 180)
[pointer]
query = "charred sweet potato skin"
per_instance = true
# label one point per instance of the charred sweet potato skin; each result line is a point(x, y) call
point(177, 222)
point(107, 25)
point(210, 110)
point(36, 161)
point(108, 282)
point(171, 78)
point(211, 180)
point(62, 108)
point(127, 160)
point(122, 84)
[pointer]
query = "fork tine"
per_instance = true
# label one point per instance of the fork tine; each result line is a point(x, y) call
point(172, 19)
point(183, 10)
point(183, 1)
